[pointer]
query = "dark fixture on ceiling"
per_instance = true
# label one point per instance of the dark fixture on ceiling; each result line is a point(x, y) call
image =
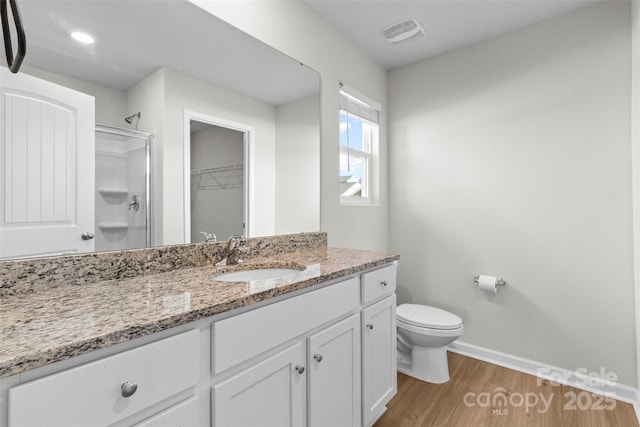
point(13, 63)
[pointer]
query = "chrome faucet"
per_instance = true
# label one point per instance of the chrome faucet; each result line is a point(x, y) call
point(235, 249)
point(208, 237)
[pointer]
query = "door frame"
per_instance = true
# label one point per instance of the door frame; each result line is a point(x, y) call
point(248, 149)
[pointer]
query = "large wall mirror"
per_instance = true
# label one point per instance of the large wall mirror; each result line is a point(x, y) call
point(165, 79)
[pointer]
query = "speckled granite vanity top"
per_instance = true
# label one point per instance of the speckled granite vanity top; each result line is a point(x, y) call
point(44, 321)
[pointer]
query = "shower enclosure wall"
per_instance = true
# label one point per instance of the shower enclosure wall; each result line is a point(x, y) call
point(123, 218)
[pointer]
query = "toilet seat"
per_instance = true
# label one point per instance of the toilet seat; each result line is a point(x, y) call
point(432, 332)
point(425, 316)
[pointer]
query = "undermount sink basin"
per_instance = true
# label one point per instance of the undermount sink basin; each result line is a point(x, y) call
point(257, 274)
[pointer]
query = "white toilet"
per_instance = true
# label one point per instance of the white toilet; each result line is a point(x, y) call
point(423, 333)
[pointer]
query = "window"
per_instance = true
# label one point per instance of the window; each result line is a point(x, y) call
point(358, 143)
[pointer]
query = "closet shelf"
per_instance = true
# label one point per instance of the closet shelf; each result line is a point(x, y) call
point(219, 178)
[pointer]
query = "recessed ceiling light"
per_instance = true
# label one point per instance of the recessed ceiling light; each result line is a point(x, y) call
point(82, 37)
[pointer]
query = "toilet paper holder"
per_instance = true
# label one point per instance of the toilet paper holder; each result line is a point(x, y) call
point(499, 282)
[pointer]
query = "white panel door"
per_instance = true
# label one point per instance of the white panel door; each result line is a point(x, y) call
point(47, 168)
point(334, 375)
point(269, 394)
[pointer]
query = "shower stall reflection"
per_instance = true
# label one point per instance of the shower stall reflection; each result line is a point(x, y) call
point(122, 189)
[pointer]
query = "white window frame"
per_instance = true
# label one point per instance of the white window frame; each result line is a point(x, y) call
point(369, 168)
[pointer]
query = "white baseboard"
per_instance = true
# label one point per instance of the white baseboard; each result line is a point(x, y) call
point(575, 379)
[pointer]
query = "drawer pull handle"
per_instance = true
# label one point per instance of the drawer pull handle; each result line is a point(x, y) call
point(383, 283)
point(318, 357)
point(370, 326)
point(299, 369)
point(128, 389)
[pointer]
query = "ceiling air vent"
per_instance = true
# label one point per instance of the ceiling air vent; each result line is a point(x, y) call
point(406, 29)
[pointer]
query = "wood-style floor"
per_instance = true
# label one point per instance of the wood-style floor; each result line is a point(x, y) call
point(483, 394)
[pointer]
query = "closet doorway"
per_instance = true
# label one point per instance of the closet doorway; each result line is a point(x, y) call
point(216, 188)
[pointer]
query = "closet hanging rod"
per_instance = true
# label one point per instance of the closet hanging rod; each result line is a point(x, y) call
point(229, 168)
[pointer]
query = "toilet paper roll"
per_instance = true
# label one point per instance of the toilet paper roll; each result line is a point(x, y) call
point(488, 284)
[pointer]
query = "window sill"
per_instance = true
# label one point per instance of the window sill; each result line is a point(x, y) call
point(356, 201)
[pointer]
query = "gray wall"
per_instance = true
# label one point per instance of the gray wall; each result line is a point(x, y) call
point(217, 211)
point(511, 157)
point(297, 166)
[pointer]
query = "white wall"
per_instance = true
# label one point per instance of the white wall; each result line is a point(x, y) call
point(163, 98)
point(298, 166)
point(110, 103)
point(148, 97)
point(292, 28)
point(635, 143)
point(511, 157)
point(186, 93)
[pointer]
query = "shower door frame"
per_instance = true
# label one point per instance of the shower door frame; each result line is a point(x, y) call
point(148, 139)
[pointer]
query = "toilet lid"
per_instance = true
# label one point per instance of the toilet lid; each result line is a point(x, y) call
point(427, 317)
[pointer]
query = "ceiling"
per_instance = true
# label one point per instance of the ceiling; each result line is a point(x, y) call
point(135, 38)
point(448, 24)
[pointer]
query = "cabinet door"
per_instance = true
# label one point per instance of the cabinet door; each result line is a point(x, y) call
point(379, 378)
point(269, 393)
point(334, 375)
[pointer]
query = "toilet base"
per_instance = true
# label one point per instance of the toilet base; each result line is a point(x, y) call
point(427, 364)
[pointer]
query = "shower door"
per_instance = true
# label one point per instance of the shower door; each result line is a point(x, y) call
point(123, 217)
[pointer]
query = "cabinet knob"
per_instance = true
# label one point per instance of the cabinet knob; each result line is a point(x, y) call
point(318, 357)
point(299, 369)
point(87, 235)
point(383, 282)
point(370, 326)
point(127, 389)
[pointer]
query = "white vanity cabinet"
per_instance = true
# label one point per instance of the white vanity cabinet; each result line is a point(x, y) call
point(379, 359)
point(275, 391)
point(269, 393)
point(379, 383)
point(108, 390)
point(290, 362)
point(183, 414)
point(333, 361)
point(325, 356)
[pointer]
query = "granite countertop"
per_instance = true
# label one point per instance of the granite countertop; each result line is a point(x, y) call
point(65, 321)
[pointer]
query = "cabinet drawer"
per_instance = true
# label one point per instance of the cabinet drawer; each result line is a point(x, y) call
point(91, 394)
point(379, 283)
point(184, 414)
point(246, 335)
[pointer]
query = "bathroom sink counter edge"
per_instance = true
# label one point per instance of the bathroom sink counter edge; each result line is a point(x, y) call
point(65, 321)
